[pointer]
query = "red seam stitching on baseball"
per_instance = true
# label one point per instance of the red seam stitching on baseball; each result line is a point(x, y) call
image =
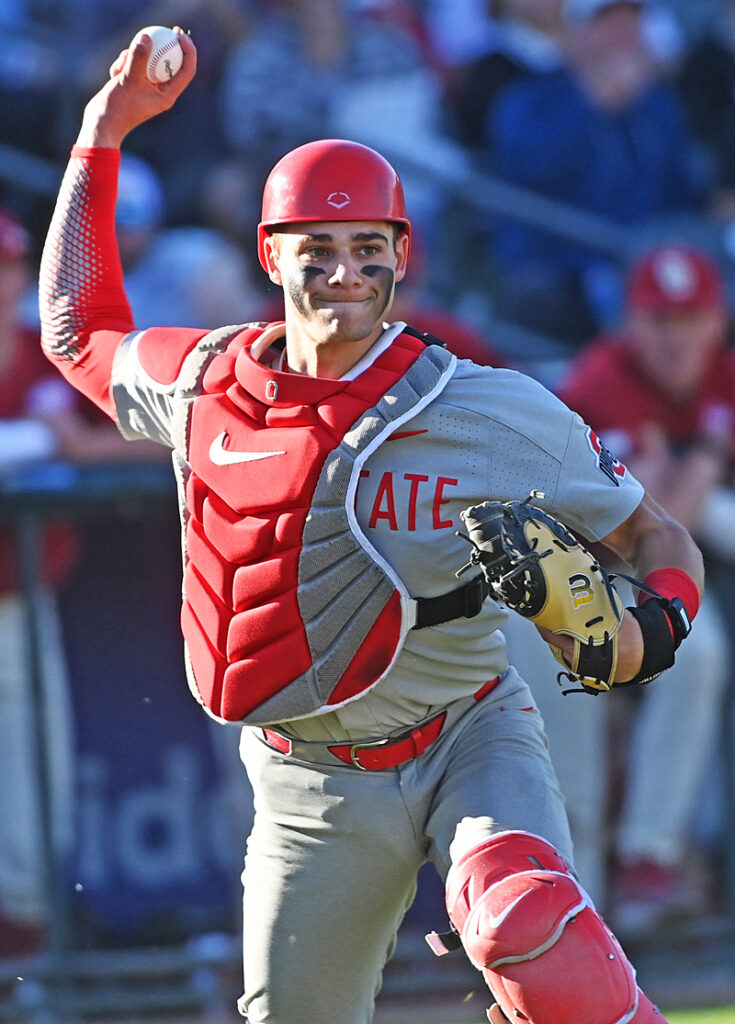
point(159, 53)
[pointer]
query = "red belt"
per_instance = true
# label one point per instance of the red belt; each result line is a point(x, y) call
point(386, 753)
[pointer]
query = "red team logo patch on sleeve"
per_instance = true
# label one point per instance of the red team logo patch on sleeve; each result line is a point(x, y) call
point(610, 466)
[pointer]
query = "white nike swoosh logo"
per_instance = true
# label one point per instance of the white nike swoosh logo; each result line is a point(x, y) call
point(220, 456)
point(495, 920)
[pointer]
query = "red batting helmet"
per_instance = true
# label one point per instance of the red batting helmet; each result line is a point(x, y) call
point(675, 278)
point(331, 180)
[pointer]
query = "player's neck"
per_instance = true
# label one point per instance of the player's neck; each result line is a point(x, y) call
point(327, 358)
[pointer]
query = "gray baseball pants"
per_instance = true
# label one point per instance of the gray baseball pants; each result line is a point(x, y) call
point(332, 859)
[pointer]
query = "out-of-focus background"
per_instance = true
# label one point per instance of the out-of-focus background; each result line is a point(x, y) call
point(569, 167)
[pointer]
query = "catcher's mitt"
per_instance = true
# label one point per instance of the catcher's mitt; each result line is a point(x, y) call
point(536, 567)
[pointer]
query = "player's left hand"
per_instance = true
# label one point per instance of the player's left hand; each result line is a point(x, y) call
point(630, 647)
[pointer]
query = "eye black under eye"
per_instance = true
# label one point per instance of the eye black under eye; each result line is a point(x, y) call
point(309, 272)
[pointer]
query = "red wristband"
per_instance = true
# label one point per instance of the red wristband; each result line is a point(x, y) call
point(670, 583)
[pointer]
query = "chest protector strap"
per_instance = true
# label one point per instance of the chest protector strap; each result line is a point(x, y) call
point(288, 610)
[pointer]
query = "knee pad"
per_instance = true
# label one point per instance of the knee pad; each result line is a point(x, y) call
point(533, 932)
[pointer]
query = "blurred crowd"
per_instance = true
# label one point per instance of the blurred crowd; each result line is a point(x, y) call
point(569, 168)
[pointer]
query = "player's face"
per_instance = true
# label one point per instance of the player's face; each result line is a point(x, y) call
point(338, 277)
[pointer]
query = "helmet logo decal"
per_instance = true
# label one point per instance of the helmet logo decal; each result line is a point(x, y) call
point(338, 199)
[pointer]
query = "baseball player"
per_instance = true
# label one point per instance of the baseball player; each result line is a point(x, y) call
point(323, 463)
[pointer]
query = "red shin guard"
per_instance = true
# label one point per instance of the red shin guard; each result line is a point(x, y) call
point(544, 951)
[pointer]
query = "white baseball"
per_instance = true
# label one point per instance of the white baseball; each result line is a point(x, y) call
point(166, 55)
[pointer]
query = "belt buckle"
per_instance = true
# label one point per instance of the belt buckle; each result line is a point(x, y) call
point(368, 746)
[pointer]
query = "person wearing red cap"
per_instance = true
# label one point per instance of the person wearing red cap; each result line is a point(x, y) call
point(663, 393)
point(323, 462)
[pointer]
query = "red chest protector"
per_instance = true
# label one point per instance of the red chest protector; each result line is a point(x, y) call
point(288, 610)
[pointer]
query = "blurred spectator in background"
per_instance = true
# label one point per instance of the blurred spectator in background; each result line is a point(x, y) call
point(606, 135)
point(184, 276)
point(41, 418)
point(661, 394)
point(526, 42)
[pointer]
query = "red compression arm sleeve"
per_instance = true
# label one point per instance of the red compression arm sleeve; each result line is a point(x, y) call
point(83, 306)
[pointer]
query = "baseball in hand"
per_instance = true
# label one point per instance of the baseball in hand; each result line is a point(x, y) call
point(166, 55)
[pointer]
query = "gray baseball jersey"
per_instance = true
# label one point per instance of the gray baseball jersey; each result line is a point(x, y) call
point(490, 434)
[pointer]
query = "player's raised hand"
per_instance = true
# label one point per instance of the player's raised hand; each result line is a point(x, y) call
point(129, 98)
